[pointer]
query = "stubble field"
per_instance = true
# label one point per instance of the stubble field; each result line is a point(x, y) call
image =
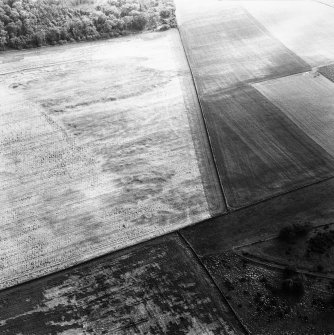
point(97, 151)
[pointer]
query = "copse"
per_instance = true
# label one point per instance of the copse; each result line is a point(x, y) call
point(291, 232)
point(34, 23)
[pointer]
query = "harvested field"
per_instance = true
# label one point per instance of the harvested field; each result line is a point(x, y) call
point(305, 27)
point(97, 152)
point(308, 100)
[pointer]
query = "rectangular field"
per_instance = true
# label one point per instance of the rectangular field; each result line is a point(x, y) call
point(102, 146)
point(308, 100)
point(259, 151)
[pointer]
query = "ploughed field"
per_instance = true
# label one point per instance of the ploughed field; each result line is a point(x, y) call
point(97, 151)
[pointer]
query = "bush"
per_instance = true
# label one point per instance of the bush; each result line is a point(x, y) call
point(293, 286)
point(291, 232)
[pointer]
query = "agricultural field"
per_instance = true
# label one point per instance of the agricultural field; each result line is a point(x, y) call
point(264, 144)
point(264, 73)
point(307, 99)
point(97, 152)
point(218, 135)
point(154, 288)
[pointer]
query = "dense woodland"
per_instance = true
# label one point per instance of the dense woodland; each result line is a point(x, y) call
point(34, 23)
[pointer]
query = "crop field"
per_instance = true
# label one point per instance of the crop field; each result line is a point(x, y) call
point(308, 100)
point(98, 151)
point(260, 152)
point(233, 52)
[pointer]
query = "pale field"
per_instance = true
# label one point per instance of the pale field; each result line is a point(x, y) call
point(308, 100)
point(305, 27)
point(98, 151)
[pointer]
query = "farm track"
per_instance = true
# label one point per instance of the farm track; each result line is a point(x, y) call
point(278, 266)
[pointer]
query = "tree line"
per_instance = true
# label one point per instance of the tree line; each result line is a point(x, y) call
point(34, 23)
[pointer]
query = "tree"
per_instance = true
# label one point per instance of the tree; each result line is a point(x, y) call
point(164, 13)
point(3, 36)
point(15, 43)
point(39, 38)
point(12, 29)
point(139, 21)
point(53, 35)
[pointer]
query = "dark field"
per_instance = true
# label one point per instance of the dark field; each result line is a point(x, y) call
point(259, 152)
point(122, 294)
point(247, 260)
